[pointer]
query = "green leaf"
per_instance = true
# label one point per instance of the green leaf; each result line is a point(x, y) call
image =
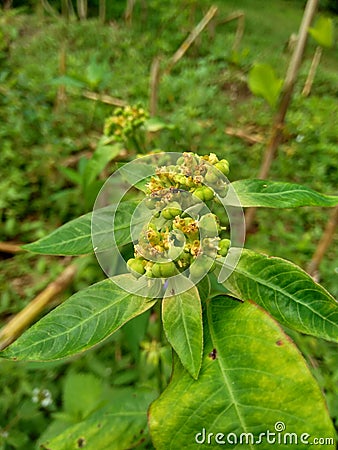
point(252, 378)
point(264, 82)
point(138, 174)
point(287, 292)
point(277, 194)
point(72, 175)
point(182, 323)
point(119, 425)
point(155, 124)
point(82, 395)
point(104, 153)
point(84, 320)
point(323, 31)
point(75, 237)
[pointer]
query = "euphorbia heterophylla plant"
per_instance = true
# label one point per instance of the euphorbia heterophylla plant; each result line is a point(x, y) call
point(168, 230)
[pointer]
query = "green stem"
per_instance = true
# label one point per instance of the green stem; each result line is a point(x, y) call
point(159, 371)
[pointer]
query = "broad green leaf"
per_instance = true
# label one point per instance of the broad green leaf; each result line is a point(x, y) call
point(120, 424)
point(85, 319)
point(182, 323)
point(104, 153)
point(138, 174)
point(82, 395)
point(252, 379)
point(72, 175)
point(155, 124)
point(75, 237)
point(287, 292)
point(323, 31)
point(264, 82)
point(134, 333)
point(277, 194)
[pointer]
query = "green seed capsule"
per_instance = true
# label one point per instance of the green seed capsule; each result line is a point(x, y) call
point(204, 193)
point(136, 266)
point(184, 260)
point(223, 247)
point(171, 211)
point(211, 176)
point(209, 225)
point(164, 270)
point(223, 166)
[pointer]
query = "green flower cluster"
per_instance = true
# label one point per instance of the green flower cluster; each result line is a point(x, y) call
point(124, 122)
point(183, 235)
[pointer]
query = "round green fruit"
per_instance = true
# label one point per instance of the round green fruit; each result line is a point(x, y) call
point(223, 166)
point(136, 266)
point(164, 270)
point(171, 211)
point(209, 225)
point(204, 193)
point(223, 247)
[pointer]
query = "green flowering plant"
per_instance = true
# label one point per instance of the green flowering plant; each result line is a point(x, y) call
point(126, 125)
point(168, 230)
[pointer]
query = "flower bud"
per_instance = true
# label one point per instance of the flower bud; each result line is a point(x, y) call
point(184, 260)
point(136, 266)
point(211, 176)
point(209, 225)
point(164, 270)
point(223, 166)
point(171, 211)
point(223, 247)
point(204, 193)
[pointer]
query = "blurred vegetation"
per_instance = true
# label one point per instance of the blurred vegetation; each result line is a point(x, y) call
point(49, 129)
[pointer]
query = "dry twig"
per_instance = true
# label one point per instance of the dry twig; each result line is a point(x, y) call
point(104, 98)
point(25, 317)
point(324, 243)
point(191, 38)
point(289, 83)
point(8, 247)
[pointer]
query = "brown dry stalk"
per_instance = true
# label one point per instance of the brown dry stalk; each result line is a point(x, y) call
point(245, 135)
point(312, 72)
point(24, 318)
point(240, 27)
point(155, 77)
point(104, 98)
point(7, 247)
point(289, 83)
point(191, 38)
point(102, 10)
point(324, 243)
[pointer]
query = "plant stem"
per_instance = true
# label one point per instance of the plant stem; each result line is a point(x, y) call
point(312, 72)
point(25, 317)
point(155, 76)
point(160, 340)
point(324, 243)
point(289, 84)
point(191, 38)
point(102, 11)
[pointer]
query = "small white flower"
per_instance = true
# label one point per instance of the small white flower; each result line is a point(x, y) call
point(42, 396)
